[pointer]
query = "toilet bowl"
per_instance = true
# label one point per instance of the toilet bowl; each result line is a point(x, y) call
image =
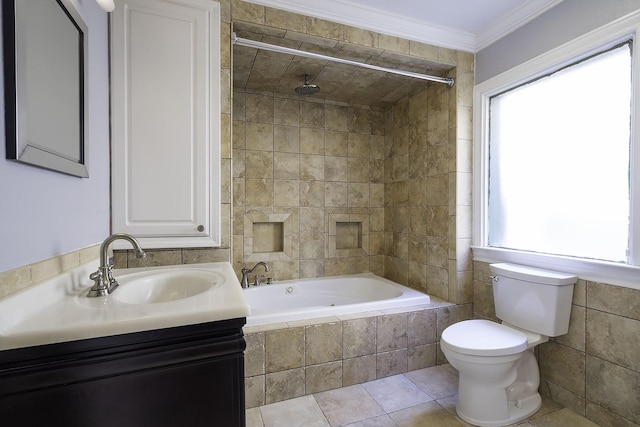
point(498, 373)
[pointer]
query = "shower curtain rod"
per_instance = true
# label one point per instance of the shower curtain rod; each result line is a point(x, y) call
point(281, 49)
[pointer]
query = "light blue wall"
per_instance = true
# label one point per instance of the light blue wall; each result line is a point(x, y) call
point(43, 213)
point(565, 22)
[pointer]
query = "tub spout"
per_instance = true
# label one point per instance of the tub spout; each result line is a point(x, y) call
point(245, 273)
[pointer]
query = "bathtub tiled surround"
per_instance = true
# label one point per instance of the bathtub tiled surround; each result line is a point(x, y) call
point(424, 397)
point(400, 173)
point(288, 360)
point(594, 370)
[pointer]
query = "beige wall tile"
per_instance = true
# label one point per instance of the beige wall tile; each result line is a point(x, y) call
point(614, 299)
point(249, 12)
point(284, 349)
point(613, 387)
point(323, 28)
point(391, 332)
point(259, 164)
point(421, 356)
point(259, 136)
point(14, 280)
point(324, 343)
point(605, 418)
point(285, 193)
point(286, 139)
point(563, 366)
point(258, 108)
point(563, 396)
point(613, 338)
point(391, 363)
point(155, 257)
point(358, 370)
point(359, 337)
point(286, 165)
point(254, 391)
point(421, 328)
point(336, 143)
point(360, 36)
point(311, 167)
point(282, 19)
point(284, 385)
point(312, 115)
point(312, 141)
point(392, 43)
point(286, 111)
point(327, 376)
point(254, 360)
point(259, 192)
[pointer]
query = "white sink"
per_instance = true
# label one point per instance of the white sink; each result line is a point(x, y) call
point(148, 298)
point(166, 286)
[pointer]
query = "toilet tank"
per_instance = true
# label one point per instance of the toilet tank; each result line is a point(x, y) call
point(533, 299)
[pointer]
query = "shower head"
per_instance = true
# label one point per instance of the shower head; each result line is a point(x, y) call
point(307, 88)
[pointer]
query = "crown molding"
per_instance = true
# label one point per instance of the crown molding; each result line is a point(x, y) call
point(369, 18)
point(373, 19)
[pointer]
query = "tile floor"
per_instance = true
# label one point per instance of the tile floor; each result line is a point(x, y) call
point(426, 397)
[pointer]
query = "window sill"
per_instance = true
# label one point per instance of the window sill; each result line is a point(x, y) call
point(596, 271)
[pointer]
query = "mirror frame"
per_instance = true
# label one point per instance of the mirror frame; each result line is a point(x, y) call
point(18, 147)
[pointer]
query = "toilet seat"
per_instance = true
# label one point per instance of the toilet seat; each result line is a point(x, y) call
point(483, 338)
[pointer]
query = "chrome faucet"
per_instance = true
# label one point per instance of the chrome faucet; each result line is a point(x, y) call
point(104, 282)
point(245, 274)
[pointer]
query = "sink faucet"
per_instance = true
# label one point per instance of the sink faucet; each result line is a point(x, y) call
point(245, 273)
point(104, 282)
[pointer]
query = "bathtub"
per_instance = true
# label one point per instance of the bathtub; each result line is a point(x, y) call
point(327, 296)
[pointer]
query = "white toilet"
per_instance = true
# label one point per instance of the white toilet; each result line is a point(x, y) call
point(498, 372)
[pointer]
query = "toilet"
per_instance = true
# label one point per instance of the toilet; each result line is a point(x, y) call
point(498, 372)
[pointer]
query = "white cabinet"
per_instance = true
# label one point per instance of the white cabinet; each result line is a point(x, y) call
point(165, 121)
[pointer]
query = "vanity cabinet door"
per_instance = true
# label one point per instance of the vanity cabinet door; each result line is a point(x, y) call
point(190, 376)
point(165, 82)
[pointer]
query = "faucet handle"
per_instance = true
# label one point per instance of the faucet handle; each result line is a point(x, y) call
point(256, 279)
point(96, 276)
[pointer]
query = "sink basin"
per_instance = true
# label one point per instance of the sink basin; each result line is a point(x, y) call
point(165, 286)
point(148, 298)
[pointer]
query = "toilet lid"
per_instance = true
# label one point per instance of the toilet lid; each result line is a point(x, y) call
point(484, 338)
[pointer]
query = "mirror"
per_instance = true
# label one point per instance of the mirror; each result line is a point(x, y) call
point(45, 84)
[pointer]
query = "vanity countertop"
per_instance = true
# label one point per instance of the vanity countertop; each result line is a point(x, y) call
point(58, 310)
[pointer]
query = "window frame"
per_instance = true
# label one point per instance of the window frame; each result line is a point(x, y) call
point(599, 40)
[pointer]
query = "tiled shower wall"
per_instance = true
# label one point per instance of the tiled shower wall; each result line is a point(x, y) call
point(593, 370)
point(308, 164)
point(421, 206)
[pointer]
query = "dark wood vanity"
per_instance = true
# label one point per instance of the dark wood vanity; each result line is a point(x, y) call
point(182, 376)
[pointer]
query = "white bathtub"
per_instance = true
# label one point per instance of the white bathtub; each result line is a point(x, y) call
point(327, 296)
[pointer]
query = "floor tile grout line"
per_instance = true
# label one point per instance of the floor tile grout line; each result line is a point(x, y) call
point(321, 410)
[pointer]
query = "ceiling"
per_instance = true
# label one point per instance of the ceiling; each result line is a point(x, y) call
point(467, 25)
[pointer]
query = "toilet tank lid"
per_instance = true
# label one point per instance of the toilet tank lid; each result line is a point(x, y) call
point(532, 274)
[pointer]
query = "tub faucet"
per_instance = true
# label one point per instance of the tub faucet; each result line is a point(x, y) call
point(245, 273)
point(104, 282)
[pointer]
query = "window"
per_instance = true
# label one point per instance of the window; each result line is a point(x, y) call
point(557, 159)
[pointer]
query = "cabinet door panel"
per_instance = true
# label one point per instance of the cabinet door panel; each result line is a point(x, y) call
point(165, 121)
point(200, 394)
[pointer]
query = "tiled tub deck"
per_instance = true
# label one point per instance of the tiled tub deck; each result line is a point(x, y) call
point(292, 359)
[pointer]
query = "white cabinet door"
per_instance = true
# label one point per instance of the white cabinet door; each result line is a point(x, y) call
point(165, 108)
